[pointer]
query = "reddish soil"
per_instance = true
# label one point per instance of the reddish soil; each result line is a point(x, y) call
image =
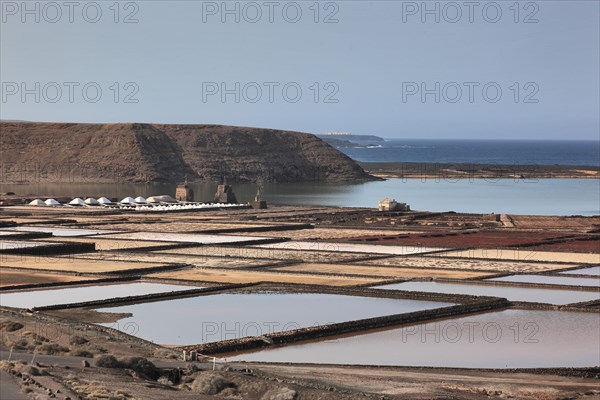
point(577, 246)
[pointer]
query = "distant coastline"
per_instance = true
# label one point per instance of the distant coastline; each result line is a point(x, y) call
point(481, 152)
point(341, 140)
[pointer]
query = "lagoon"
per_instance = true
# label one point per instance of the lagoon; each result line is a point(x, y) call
point(530, 196)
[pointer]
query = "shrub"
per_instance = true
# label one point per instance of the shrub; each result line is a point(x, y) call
point(107, 361)
point(52, 349)
point(163, 380)
point(138, 364)
point(78, 340)
point(97, 349)
point(190, 368)
point(34, 336)
point(141, 365)
point(11, 326)
point(20, 344)
point(211, 383)
point(31, 370)
point(82, 353)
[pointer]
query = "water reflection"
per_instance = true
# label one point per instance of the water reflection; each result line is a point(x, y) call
point(550, 280)
point(535, 295)
point(46, 297)
point(506, 339)
point(535, 197)
point(583, 271)
point(218, 317)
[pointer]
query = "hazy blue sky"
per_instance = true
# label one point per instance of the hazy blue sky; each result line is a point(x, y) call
point(374, 61)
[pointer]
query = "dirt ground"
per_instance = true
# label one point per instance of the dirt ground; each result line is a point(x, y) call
point(112, 244)
point(580, 246)
point(348, 269)
point(462, 264)
point(238, 276)
point(534, 241)
point(267, 253)
point(72, 264)
point(10, 277)
point(524, 255)
point(197, 261)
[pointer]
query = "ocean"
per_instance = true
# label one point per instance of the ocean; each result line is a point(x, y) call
point(511, 152)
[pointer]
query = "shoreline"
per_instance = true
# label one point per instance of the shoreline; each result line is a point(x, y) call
point(417, 170)
point(382, 171)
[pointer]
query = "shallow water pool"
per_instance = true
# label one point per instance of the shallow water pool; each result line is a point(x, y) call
point(536, 295)
point(46, 297)
point(217, 317)
point(549, 280)
point(505, 339)
point(593, 271)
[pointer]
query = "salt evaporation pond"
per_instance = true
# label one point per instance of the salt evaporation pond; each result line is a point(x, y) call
point(536, 295)
point(8, 234)
point(22, 244)
point(212, 318)
point(63, 232)
point(593, 271)
point(350, 247)
point(47, 297)
point(505, 339)
point(186, 237)
point(549, 280)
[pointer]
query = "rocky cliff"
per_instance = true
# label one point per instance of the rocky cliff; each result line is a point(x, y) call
point(73, 152)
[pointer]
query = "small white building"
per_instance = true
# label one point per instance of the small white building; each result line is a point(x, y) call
point(389, 204)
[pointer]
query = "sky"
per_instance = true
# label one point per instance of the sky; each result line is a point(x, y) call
point(396, 69)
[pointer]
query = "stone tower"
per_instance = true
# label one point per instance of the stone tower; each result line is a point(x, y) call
point(184, 192)
point(225, 193)
point(258, 203)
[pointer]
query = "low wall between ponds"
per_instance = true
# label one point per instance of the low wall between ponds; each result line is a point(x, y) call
point(69, 283)
point(324, 331)
point(142, 298)
point(56, 248)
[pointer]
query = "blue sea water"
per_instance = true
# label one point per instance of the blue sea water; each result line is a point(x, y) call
point(511, 152)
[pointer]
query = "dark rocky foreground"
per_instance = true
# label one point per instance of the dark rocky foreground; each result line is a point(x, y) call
point(136, 152)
